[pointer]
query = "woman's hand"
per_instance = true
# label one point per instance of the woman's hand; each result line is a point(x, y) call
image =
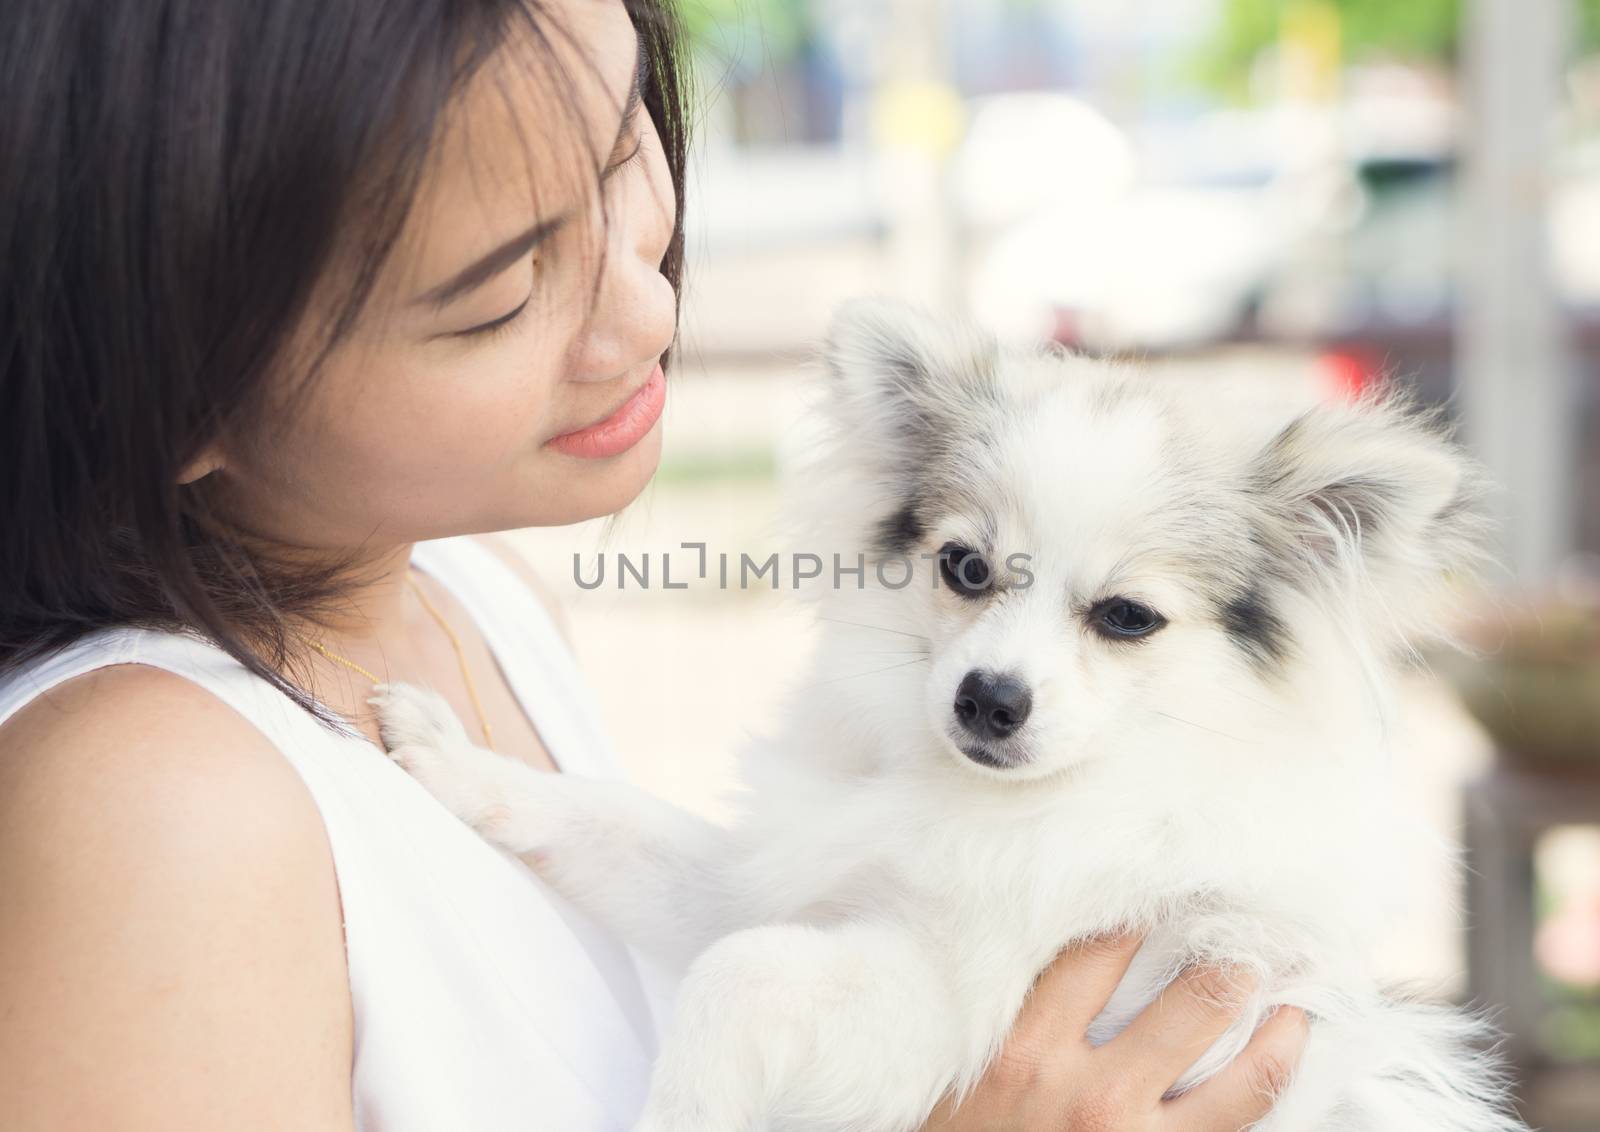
point(1049, 1078)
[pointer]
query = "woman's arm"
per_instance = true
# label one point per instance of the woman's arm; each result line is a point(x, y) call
point(171, 951)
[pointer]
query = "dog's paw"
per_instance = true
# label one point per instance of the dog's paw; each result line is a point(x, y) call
point(409, 716)
point(427, 740)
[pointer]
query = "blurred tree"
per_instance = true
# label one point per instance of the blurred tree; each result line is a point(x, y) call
point(1417, 29)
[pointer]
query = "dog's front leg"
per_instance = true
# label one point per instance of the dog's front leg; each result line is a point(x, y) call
point(648, 871)
point(793, 1027)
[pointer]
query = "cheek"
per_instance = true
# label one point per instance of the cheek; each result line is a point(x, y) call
point(460, 422)
point(1116, 690)
point(1083, 690)
point(417, 452)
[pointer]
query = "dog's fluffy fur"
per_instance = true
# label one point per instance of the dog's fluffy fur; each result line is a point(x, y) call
point(861, 942)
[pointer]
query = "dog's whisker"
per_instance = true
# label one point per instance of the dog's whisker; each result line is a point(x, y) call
point(1198, 726)
point(1252, 700)
point(878, 628)
point(863, 675)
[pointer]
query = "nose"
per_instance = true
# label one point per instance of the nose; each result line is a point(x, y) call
point(990, 706)
point(634, 311)
point(632, 320)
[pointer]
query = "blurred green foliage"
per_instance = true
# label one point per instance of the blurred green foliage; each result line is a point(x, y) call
point(749, 32)
point(1411, 29)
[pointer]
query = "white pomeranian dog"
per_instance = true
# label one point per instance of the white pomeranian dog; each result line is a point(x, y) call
point(1117, 660)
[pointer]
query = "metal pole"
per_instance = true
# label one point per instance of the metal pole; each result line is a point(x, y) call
point(1514, 365)
point(919, 123)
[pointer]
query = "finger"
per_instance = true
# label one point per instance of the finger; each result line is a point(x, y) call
point(1075, 987)
point(1246, 1090)
point(1170, 1034)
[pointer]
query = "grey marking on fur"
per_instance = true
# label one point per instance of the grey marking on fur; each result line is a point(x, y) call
point(1359, 502)
point(900, 532)
point(1251, 623)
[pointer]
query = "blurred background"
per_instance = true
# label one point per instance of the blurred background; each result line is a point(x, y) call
point(1307, 196)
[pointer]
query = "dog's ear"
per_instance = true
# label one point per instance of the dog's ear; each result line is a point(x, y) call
point(1373, 493)
point(906, 392)
point(906, 378)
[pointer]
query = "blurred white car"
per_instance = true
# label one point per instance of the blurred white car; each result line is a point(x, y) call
point(1035, 150)
point(1184, 254)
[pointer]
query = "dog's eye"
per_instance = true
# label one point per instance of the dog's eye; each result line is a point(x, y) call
point(964, 569)
point(1120, 617)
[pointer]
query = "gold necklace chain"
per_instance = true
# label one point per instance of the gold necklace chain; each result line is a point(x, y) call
point(337, 659)
point(455, 643)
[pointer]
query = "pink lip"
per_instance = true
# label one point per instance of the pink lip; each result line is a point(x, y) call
point(623, 428)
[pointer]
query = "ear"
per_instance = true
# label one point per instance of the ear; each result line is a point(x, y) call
point(1373, 490)
point(905, 381)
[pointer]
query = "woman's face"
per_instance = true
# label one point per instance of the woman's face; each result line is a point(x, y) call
point(505, 372)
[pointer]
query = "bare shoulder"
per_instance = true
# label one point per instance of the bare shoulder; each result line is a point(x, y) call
point(502, 548)
point(171, 904)
point(139, 735)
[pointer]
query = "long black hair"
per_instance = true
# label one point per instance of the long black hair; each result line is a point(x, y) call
point(175, 175)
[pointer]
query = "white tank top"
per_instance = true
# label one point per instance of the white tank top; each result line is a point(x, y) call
point(482, 1001)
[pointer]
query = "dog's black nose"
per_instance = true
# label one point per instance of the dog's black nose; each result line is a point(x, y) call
point(992, 707)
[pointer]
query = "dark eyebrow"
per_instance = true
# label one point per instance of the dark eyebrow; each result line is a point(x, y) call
point(482, 270)
point(486, 268)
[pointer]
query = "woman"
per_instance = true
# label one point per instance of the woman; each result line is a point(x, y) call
point(288, 290)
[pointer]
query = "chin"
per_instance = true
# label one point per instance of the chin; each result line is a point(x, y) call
point(622, 485)
point(589, 489)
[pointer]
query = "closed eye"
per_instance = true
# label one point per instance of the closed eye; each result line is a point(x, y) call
point(633, 158)
point(488, 328)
